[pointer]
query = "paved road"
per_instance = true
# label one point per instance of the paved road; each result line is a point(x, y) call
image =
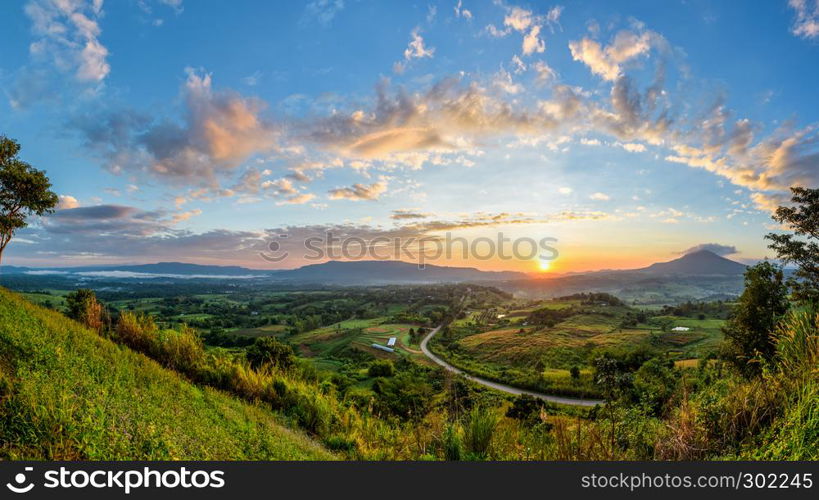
point(503, 387)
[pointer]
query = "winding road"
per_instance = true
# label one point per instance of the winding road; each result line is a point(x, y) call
point(502, 387)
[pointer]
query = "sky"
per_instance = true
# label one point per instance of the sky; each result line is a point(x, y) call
point(222, 133)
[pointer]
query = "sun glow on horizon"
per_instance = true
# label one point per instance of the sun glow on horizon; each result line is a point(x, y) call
point(544, 265)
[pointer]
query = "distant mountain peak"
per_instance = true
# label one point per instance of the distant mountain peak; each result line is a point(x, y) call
point(699, 263)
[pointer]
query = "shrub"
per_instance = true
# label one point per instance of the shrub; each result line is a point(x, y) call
point(381, 368)
point(268, 350)
point(480, 427)
point(84, 308)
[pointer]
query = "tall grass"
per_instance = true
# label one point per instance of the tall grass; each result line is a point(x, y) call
point(775, 416)
point(68, 393)
point(480, 427)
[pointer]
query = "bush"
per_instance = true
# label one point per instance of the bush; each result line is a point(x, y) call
point(268, 350)
point(381, 368)
point(84, 308)
point(525, 408)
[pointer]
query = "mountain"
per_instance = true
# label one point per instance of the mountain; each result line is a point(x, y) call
point(332, 272)
point(181, 268)
point(701, 263)
point(701, 275)
point(374, 272)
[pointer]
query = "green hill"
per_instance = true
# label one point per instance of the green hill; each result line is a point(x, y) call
point(67, 393)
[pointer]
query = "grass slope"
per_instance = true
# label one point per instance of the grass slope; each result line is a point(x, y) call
point(67, 393)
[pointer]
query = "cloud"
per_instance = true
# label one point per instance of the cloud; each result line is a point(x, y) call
point(297, 199)
point(524, 21)
point(408, 214)
point(218, 131)
point(532, 43)
point(712, 247)
point(321, 11)
point(806, 22)
point(565, 190)
point(607, 61)
point(358, 192)
point(68, 33)
point(553, 16)
point(416, 48)
point(632, 147)
point(447, 117)
point(121, 234)
point(544, 72)
point(66, 41)
point(503, 81)
point(183, 216)
point(461, 12)
point(67, 201)
point(600, 196)
point(518, 19)
point(98, 212)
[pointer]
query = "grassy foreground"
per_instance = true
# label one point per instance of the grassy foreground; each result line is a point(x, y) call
point(67, 393)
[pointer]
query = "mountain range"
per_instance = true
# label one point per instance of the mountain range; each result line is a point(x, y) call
point(695, 275)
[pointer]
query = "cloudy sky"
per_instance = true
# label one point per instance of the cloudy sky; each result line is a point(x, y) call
point(201, 131)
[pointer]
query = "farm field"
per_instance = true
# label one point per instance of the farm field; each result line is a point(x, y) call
point(538, 344)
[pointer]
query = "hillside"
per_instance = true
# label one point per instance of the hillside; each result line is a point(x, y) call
point(66, 393)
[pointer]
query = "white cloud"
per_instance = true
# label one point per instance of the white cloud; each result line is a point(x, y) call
point(322, 11)
point(68, 33)
point(607, 62)
point(461, 12)
point(518, 19)
point(632, 147)
point(416, 48)
point(544, 72)
point(519, 65)
point(503, 81)
point(600, 196)
point(806, 23)
point(358, 192)
point(67, 202)
point(532, 42)
point(565, 190)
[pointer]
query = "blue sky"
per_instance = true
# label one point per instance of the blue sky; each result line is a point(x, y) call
point(196, 131)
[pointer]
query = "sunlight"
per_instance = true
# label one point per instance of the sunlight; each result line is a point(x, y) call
point(544, 265)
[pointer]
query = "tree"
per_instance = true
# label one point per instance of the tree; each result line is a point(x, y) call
point(268, 350)
point(801, 247)
point(760, 307)
point(24, 191)
point(381, 368)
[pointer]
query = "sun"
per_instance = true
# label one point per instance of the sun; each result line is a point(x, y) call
point(544, 264)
